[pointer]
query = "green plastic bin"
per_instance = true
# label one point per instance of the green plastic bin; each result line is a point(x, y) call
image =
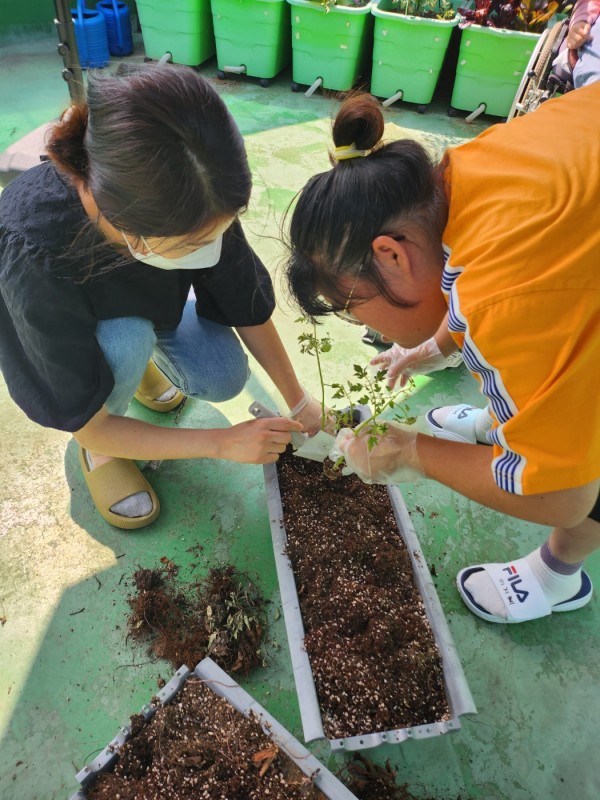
point(183, 28)
point(254, 34)
point(491, 63)
point(331, 45)
point(408, 53)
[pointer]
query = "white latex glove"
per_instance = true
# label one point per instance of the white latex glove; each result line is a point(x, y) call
point(393, 459)
point(310, 413)
point(417, 361)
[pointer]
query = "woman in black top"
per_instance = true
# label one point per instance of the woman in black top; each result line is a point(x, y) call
point(100, 248)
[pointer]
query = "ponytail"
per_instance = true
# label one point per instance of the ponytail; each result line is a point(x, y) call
point(359, 122)
point(373, 189)
point(66, 142)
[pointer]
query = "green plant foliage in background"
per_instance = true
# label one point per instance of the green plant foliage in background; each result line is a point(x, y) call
point(428, 9)
point(328, 4)
point(531, 16)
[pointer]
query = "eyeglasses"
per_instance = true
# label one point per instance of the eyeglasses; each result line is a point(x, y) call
point(345, 313)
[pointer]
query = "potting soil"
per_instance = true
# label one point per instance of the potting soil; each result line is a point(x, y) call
point(199, 747)
point(373, 655)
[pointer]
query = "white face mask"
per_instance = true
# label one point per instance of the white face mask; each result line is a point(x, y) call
point(204, 257)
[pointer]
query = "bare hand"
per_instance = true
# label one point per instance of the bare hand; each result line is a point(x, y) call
point(258, 441)
point(578, 35)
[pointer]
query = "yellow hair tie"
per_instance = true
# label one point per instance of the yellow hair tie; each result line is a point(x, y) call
point(348, 151)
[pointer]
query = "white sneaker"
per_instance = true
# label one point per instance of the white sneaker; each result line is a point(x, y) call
point(462, 423)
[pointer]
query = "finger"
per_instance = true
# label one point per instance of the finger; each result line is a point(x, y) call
point(343, 439)
point(392, 377)
point(277, 448)
point(283, 424)
point(381, 358)
point(282, 439)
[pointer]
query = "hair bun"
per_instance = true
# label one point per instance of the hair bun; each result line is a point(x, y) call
point(65, 143)
point(359, 122)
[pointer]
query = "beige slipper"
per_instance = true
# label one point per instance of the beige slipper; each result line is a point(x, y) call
point(113, 481)
point(154, 384)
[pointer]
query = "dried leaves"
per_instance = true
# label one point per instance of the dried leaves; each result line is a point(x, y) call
point(222, 616)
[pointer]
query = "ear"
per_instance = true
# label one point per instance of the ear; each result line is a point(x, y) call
point(390, 253)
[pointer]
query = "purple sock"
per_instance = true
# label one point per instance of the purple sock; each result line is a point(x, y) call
point(555, 565)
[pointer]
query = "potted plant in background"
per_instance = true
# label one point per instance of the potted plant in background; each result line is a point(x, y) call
point(410, 42)
point(183, 28)
point(252, 37)
point(497, 41)
point(330, 43)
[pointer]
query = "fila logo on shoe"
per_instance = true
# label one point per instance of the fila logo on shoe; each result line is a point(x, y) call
point(464, 412)
point(514, 579)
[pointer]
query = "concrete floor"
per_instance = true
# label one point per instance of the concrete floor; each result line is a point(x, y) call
point(69, 678)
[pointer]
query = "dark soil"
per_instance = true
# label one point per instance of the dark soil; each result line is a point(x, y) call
point(221, 616)
point(370, 781)
point(374, 659)
point(200, 747)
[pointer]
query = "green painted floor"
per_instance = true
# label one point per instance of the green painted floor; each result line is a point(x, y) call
point(68, 676)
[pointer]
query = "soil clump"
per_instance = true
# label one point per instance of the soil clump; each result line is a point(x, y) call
point(221, 615)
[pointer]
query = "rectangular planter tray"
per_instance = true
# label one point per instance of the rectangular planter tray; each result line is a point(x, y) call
point(224, 686)
point(459, 696)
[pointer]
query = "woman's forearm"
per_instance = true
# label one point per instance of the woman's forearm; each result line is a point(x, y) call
point(267, 348)
point(467, 469)
point(125, 437)
point(252, 442)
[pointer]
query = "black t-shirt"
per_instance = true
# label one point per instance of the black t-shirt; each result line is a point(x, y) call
point(49, 355)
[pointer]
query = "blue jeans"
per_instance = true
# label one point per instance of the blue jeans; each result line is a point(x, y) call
point(203, 359)
point(587, 68)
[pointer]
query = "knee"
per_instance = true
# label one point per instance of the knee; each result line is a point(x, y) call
point(127, 344)
point(225, 382)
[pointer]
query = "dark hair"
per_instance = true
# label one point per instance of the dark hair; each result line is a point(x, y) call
point(338, 213)
point(157, 148)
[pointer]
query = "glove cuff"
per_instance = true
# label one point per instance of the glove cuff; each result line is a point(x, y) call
point(300, 405)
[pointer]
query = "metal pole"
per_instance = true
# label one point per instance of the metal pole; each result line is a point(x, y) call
point(67, 48)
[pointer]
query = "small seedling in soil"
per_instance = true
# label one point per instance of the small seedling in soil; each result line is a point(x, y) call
point(221, 616)
point(312, 345)
point(373, 393)
point(198, 747)
point(364, 389)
